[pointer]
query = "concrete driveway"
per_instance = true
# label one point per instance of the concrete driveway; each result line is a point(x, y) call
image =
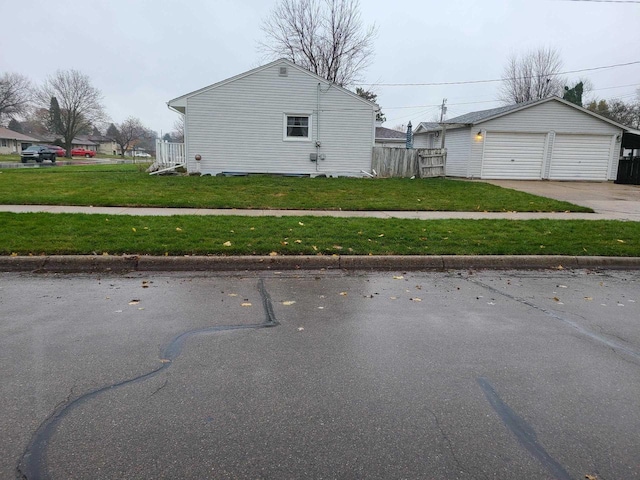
point(621, 202)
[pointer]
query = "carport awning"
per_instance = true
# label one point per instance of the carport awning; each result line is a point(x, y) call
point(631, 140)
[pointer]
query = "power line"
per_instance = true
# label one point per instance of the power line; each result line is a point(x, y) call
point(433, 105)
point(601, 1)
point(467, 82)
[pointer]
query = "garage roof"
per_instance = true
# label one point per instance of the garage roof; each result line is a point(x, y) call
point(474, 118)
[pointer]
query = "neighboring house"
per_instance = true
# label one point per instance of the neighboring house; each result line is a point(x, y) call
point(278, 118)
point(427, 135)
point(543, 139)
point(103, 144)
point(14, 142)
point(385, 137)
point(83, 141)
point(78, 142)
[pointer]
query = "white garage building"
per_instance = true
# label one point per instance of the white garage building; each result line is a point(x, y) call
point(544, 139)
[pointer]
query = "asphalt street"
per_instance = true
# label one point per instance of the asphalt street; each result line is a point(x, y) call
point(320, 375)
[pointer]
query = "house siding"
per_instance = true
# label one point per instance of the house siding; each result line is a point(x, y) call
point(8, 146)
point(549, 116)
point(426, 140)
point(239, 126)
point(458, 144)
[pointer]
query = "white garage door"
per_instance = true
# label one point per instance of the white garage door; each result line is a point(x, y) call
point(513, 155)
point(580, 157)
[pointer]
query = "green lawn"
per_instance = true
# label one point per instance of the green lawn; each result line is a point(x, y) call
point(129, 185)
point(44, 233)
point(9, 158)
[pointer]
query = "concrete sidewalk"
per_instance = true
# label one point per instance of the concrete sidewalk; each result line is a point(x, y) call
point(416, 215)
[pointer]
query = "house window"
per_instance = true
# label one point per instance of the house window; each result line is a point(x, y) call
point(4, 142)
point(297, 127)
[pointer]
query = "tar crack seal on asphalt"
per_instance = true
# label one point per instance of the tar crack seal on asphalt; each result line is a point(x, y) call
point(523, 432)
point(32, 463)
point(616, 346)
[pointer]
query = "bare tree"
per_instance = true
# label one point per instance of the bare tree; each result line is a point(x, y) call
point(15, 95)
point(80, 103)
point(178, 130)
point(532, 76)
point(128, 133)
point(324, 36)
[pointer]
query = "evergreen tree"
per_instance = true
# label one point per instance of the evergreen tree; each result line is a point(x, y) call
point(372, 97)
point(15, 126)
point(112, 131)
point(54, 123)
point(574, 95)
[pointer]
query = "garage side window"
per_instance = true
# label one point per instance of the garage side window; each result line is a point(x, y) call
point(297, 127)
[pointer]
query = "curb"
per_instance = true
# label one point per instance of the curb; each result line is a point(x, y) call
point(135, 263)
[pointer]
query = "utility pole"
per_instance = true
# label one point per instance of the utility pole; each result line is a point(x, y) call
point(443, 111)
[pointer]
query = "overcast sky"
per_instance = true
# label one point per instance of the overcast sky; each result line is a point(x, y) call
point(143, 53)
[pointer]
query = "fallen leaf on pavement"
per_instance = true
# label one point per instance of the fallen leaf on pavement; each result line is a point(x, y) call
point(245, 304)
point(289, 302)
point(134, 302)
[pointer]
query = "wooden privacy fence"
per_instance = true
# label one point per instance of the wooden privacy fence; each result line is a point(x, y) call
point(403, 162)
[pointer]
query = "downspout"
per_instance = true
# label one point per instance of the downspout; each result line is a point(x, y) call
point(318, 142)
point(318, 126)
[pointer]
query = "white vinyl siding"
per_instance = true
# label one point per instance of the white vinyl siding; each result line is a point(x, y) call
point(580, 157)
point(513, 155)
point(426, 140)
point(237, 126)
point(421, 140)
point(458, 145)
point(550, 116)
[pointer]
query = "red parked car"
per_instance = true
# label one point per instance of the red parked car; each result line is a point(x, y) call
point(81, 152)
point(60, 152)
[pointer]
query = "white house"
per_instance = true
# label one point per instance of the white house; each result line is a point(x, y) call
point(543, 139)
point(427, 135)
point(278, 118)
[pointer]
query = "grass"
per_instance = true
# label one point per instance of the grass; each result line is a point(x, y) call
point(6, 157)
point(128, 185)
point(44, 233)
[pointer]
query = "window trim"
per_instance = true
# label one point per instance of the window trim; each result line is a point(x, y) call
point(286, 138)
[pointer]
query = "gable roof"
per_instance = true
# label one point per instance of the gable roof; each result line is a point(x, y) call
point(11, 135)
point(474, 118)
point(179, 101)
point(383, 133)
point(427, 127)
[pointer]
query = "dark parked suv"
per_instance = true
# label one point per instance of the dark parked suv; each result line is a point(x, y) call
point(39, 153)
